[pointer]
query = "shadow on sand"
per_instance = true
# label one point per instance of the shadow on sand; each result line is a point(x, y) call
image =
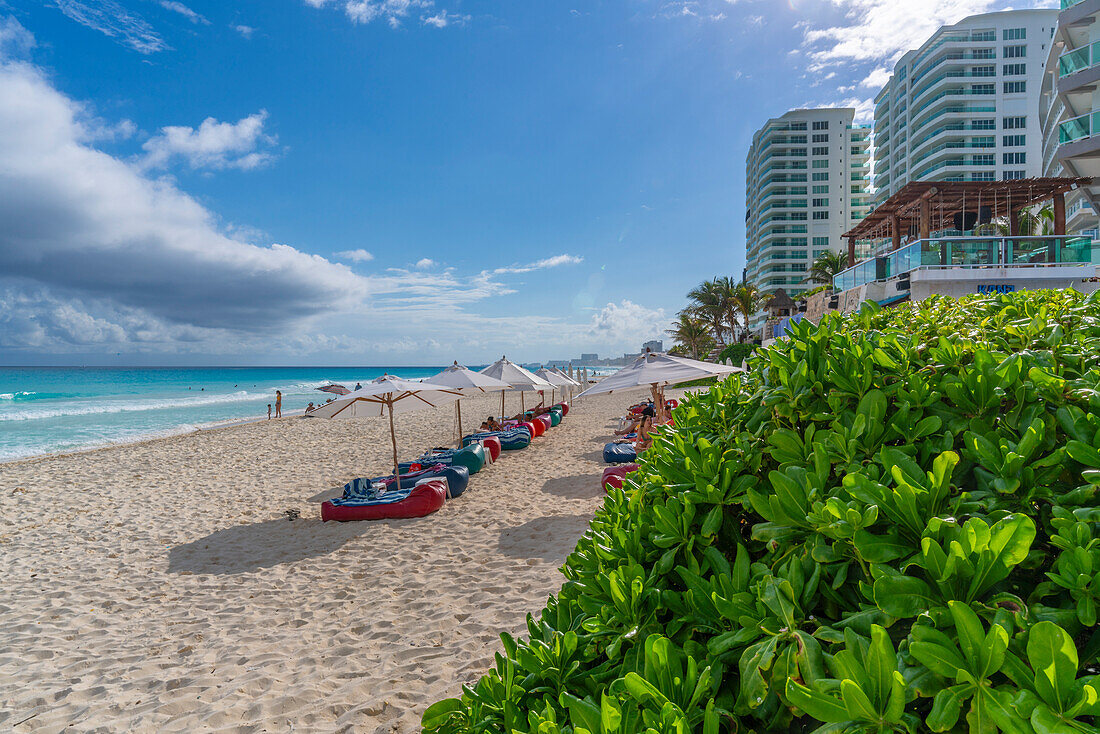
point(244, 548)
point(578, 487)
point(549, 538)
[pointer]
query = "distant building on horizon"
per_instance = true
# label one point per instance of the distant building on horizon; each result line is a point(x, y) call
point(653, 345)
point(807, 182)
point(589, 358)
point(965, 105)
point(1069, 111)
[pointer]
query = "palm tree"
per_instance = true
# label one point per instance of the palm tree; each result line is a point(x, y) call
point(709, 304)
point(826, 267)
point(727, 290)
point(693, 333)
point(1031, 224)
point(749, 300)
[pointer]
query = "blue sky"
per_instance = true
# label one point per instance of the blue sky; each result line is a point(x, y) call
point(394, 181)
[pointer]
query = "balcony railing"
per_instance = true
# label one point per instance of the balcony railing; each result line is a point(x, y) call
point(968, 252)
point(1070, 3)
point(1078, 59)
point(1077, 128)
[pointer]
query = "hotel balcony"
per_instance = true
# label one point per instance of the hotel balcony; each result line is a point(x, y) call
point(981, 255)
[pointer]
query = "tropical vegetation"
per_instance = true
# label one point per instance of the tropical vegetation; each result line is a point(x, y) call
point(826, 266)
point(888, 524)
point(724, 306)
point(693, 335)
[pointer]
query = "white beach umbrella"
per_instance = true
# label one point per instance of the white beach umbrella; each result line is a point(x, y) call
point(517, 378)
point(554, 379)
point(388, 394)
point(655, 370)
point(572, 383)
point(467, 382)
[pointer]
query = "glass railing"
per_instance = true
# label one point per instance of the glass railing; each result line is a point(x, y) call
point(957, 110)
point(1077, 128)
point(984, 141)
point(1078, 59)
point(975, 73)
point(968, 252)
point(1070, 3)
point(982, 54)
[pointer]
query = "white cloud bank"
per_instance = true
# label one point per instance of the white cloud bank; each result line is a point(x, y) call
point(393, 12)
point(114, 21)
point(215, 145)
point(358, 256)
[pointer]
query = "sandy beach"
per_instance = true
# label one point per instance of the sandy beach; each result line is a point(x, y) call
point(159, 586)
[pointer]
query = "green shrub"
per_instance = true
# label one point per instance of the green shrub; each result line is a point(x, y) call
point(736, 353)
point(890, 524)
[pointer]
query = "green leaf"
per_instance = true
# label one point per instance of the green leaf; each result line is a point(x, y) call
point(902, 596)
point(821, 707)
point(1053, 657)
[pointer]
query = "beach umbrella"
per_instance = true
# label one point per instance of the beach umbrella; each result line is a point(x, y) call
point(517, 378)
point(572, 383)
point(467, 382)
point(554, 379)
point(388, 395)
point(655, 370)
point(335, 389)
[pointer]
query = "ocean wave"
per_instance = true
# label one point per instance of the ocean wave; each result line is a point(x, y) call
point(17, 453)
point(17, 395)
point(87, 408)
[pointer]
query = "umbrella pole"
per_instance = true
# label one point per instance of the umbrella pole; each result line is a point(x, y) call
point(458, 407)
point(393, 439)
point(502, 405)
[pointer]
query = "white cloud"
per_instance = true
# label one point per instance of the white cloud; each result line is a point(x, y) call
point(359, 256)
point(244, 30)
point(628, 323)
point(549, 262)
point(15, 40)
point(177, 7)
point(394, 12)
point(215, 145)
point(442, 19)
point(424, 263)
point(114, 21)
point(86, 233)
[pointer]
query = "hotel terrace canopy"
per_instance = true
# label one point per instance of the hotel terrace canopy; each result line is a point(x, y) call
point(924, 206)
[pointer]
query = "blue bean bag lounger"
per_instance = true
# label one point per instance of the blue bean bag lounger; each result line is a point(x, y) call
point(619, 453)
point(458, 477)
point(472, 457)
point(512, 440)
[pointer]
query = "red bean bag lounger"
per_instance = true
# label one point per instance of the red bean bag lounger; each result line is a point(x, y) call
point(564, 408)
point(421, 500)
point(546, 422)
point(613, 476)
point(535, 427)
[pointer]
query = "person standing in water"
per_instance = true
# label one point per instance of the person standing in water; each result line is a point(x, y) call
point(278, 404)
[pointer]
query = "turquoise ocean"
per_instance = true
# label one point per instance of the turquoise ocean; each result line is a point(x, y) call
point(49, 409)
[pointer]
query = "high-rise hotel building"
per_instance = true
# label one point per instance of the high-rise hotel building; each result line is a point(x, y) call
point(965, 105)
point(807, 182)
point(1069, 110)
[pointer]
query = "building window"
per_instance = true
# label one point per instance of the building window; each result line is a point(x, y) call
point(822, 150)
point(1013, 175)
point(984, 88)
point(821, 138)
point(1014, 69)
point(821, 189)
point(1015, 52)
point(821, 202)
point(1014, 34)
point(1014, 159)
point(821, 125)
point(1014, 123)
point(857, 189)
point(821, 164)
point(820, 242)
point(1015, 87)
point(981, 160)
point(1014, 141)
point(821, 176)
point(821, 215)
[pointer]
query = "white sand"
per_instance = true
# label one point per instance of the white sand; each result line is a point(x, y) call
point(158, 587)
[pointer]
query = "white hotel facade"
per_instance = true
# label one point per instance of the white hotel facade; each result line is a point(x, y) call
point(965, 105)
point(807, 182)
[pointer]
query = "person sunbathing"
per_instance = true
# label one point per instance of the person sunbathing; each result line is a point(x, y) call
point(491, 424)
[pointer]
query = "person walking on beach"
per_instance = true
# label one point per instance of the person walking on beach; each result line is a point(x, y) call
point(269, 411)
point(278, 404)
